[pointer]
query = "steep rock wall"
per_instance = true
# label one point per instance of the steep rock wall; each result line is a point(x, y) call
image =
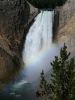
point(66, 29)
point(63, 14)
point(66, 12)
point(15, 16)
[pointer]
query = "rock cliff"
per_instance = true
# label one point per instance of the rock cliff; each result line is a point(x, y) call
point(66, 29)
point(66, 12)
point(15, 18)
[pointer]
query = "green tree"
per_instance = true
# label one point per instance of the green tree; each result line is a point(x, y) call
point(62, 83)
point(47, 3)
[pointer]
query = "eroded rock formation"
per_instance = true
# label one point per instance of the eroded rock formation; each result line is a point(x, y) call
point(15, 16)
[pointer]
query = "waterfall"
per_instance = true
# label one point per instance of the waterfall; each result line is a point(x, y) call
point(39, 37)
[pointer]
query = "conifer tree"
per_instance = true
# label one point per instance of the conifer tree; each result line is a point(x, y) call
point(62, 83)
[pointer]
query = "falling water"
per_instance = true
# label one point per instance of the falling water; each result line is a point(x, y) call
point(39, 37)
point(37, 53)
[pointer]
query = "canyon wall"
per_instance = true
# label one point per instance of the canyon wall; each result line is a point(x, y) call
point(66, 29)
point(63, 14)
point(66, 12)
point(15, 17)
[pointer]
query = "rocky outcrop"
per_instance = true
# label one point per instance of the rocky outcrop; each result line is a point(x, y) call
point(67, 35)
point(15, 17)
point(66, 12)
point(66, 29)
point(62, 15)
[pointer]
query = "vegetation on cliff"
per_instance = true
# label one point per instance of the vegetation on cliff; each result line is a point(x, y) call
point(62, 83)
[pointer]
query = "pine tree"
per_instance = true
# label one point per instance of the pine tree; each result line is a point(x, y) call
point(62, 83)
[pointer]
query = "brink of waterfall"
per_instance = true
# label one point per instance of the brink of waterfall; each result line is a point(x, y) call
point(39, 37)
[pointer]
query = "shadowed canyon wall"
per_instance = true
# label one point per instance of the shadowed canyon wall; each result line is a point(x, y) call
point(15, 16)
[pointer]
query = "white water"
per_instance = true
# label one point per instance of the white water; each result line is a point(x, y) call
point(38, 48)
point(39, 36)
